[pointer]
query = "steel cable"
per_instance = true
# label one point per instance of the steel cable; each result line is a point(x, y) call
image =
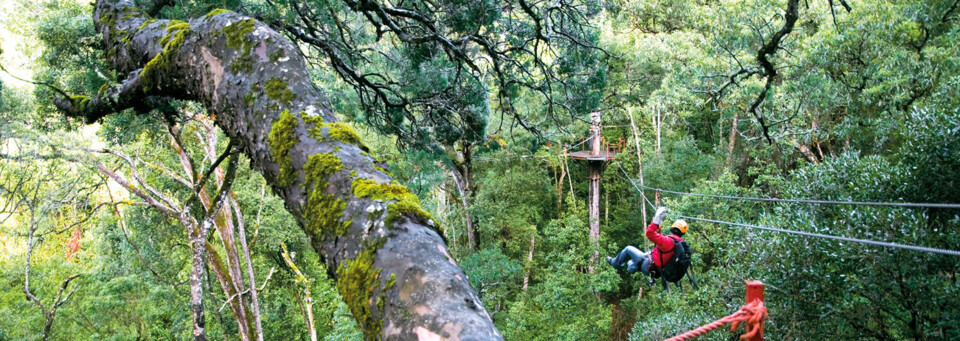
point(811, 201)
point(802, 233)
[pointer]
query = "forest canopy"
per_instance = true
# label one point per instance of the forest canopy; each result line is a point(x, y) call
point(365, 170)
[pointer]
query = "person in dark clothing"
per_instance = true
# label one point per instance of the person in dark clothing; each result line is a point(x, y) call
point(635, 260)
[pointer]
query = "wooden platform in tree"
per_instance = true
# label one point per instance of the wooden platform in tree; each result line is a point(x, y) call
point(585, 155)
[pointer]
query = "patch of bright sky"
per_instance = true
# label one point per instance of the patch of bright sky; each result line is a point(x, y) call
point(20, 48)
point(16, 57)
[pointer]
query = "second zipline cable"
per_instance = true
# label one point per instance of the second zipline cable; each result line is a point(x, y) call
point(802, 233)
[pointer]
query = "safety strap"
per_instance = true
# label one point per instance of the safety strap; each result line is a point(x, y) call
point(675, 241)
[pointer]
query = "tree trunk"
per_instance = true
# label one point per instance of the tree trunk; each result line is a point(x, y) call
point(805, 150)
point(307, 297)
point(255, 302)
point(229, 276)
point(636, 142)
point(382, 247)
point(197, 240)
point(462, 175)
point(563, 174)
point(215, 261)
point(461, 172)
point(526, 275)
point(732, 139)
point(657, 120)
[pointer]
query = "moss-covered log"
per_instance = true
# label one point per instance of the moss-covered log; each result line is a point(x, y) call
point(390, 262)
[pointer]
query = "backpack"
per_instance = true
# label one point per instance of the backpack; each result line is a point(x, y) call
point(677, 267)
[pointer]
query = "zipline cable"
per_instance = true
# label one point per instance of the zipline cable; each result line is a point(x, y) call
point(810, 201)
point(807, 234)
point(846, 239)
point(588, 138)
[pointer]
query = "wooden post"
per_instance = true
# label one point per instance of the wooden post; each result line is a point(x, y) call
point(594, 208)
point(595, 168)
point(754, 292)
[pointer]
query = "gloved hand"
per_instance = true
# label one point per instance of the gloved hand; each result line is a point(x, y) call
point(658, 217)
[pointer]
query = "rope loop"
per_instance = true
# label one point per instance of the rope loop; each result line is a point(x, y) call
point(751, 315)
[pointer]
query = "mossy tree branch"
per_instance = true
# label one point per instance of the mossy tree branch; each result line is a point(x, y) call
point(385, 251)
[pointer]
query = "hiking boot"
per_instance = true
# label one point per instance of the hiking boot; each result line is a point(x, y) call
point(610, 261)
point(631, 266)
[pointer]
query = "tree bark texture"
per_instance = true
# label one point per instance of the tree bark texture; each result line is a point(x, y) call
point(636, 142)
point(732, 139)
point(387, 255)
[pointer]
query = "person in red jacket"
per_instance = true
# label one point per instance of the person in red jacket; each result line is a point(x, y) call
point(636, 260)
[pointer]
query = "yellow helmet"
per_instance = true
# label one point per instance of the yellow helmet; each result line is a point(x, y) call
point(681, 225)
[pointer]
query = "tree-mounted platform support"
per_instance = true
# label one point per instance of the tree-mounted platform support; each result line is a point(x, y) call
point(597, 152)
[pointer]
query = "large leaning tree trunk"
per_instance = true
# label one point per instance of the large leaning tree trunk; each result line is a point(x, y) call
point(385, 251)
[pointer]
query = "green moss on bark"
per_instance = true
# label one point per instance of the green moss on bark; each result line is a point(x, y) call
point(405, 204)
point(357, 281)
point(384, 171)
point(146, 23)
point(237, 32)
point(281, 139)
point(275, 56)
point(323, 214)
point(79, 102)
point(217, 11)
point(177, 32)
point(336, 131)
point(276, 89)
point(343, 133)
point(103, 89)
point(242, 64)
point(249, 99)
point(323, 211)
point(322, 166)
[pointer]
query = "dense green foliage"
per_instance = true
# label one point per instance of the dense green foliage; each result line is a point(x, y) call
point(863, 107)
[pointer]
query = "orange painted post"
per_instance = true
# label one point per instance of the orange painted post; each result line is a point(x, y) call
point(755, 292)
